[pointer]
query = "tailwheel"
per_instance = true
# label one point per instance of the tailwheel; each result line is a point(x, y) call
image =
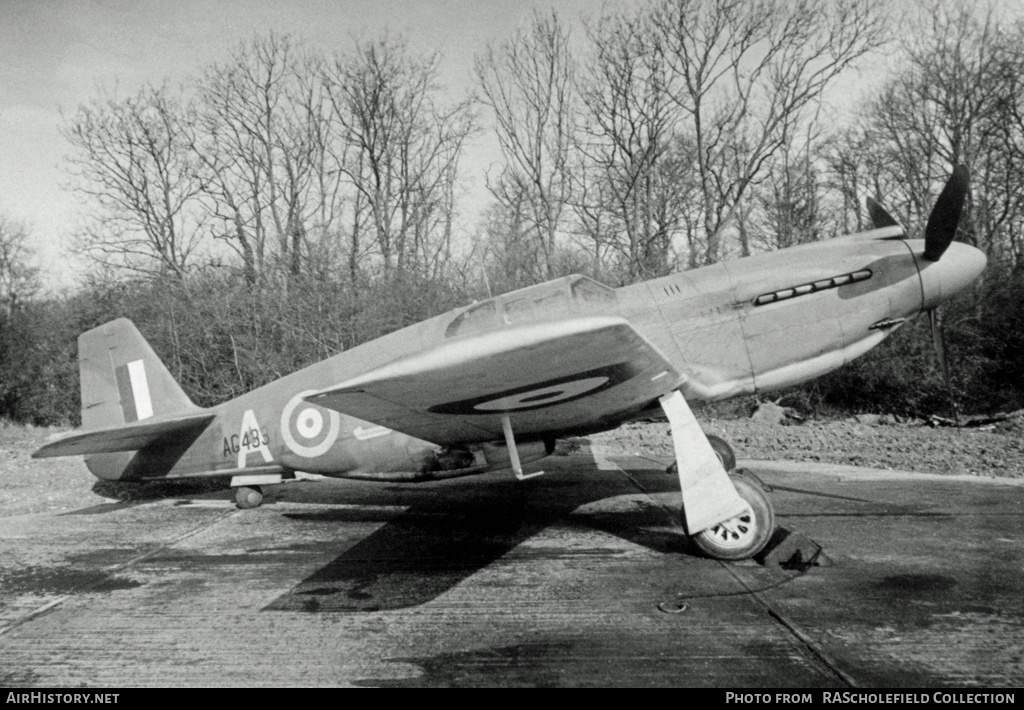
point(248, 496)
point(746, 534)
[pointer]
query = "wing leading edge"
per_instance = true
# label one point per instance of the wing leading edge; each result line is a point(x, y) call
point(570, 375)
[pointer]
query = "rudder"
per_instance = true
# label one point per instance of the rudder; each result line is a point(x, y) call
point(123, 381)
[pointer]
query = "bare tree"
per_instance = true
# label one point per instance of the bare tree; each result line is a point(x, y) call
point(955, 99)
point(528, 81)
point(402, 147)
point(631, 183)
point(133, 162)
point(511, 255)
point(19, 280)
point(267, 151)
point(966, 78)
point(793, 201)
point(743, 74)
point(688, 105)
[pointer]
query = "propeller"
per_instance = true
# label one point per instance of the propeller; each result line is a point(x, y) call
point(939, 340)
point(880, 216)
point(938, 235)
point(945, 216)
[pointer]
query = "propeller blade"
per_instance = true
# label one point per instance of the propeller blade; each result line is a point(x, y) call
point(937, 341)
point(940, 352)
point(945, 216)
point(880, 216)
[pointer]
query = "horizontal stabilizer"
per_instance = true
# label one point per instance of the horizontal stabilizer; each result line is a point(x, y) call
point(129, 437)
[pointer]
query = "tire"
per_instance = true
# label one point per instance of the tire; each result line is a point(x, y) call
point(725, 453)
point(247, 497)
point(721, 448)
point(745, 535)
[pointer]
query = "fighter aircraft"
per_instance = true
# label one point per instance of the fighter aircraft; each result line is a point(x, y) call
point(493, 384)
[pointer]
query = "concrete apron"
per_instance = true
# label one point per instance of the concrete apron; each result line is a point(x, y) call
point(577, 577)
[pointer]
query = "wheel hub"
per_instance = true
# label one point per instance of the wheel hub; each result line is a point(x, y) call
point(734, 532)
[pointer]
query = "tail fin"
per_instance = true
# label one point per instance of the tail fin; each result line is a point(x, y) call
point(123, 380)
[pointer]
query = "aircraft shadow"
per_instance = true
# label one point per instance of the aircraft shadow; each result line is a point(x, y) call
point(447, 535)
point(128, 494)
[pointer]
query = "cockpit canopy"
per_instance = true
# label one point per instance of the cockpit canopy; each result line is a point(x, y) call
point(554, 300)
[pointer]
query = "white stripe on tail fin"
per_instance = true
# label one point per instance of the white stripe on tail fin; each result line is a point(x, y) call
point(140, 389)
point(123, 381)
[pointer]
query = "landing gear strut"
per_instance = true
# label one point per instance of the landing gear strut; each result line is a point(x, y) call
point(722, 450)
point(728, 517)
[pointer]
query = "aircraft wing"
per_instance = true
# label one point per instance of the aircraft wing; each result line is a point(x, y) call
point(579, 374)
point(130, 437)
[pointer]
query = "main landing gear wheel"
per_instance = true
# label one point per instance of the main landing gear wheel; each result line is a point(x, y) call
point(745, 535)
point(721, 448)
point(724, 452)
point(248, 496)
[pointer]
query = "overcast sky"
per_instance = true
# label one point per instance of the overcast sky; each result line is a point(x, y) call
point(56, 54)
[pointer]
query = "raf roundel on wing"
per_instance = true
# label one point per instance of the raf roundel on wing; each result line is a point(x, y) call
point(541, 394)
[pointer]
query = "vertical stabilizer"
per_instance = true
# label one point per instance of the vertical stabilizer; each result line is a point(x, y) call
point(123, 381)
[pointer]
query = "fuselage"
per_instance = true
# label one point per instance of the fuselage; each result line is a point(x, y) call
point(750, 325)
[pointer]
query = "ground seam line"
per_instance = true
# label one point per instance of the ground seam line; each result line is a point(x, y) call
point(823, 657)
point(35, 613)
